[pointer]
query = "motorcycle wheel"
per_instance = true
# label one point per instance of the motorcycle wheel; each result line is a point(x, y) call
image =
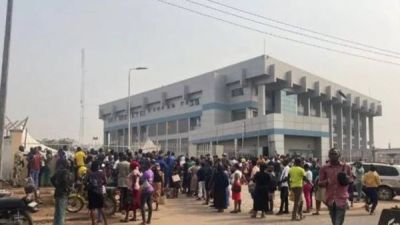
point(110, 206)
point(75, 203)
point(26, 218)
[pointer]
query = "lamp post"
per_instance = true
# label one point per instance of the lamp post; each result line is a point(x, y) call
point(129, 102)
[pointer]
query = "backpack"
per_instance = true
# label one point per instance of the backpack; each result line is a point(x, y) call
point(94, 184)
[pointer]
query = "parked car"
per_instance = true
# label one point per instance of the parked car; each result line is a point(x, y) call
point(390, 179)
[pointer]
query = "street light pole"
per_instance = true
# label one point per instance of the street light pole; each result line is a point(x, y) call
point(4, 75)
point(129, 102)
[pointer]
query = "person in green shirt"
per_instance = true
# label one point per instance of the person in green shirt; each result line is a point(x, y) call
point(296, 179)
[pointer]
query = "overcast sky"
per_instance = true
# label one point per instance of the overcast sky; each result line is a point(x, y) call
point(47, 37)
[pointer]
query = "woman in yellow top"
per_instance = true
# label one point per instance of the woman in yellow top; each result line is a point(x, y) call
point(371, 182)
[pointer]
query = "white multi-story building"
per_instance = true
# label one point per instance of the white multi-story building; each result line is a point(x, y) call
point(259, 106)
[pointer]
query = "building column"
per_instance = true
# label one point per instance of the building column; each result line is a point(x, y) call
point(357, 129)
point(319, 109)
point(180, 146)
point(123, 137)
point(349, 133)
point(307, 105)
point(371, 131)
point(235, 143)
point(277, 102)
point(166, 135)
point(157, 137)
point(276, 144)
point(261, 100)
point(324, 149)
point(248, 113)
point(339, 122)
point(330, 118)
point(363, 131)
point(106, 141)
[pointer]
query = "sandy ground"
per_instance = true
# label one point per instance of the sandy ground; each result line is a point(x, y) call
point(183, 211)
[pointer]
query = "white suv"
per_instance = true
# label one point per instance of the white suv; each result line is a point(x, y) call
point(390, 179)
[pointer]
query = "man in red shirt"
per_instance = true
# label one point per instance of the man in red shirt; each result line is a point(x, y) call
point(336, 193)
point(35, 164)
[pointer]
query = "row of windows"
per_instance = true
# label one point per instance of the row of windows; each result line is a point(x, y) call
point(135, 114)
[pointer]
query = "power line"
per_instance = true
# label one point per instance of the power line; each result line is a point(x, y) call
point(293, 32)
point(279, 36)
point(305, 29)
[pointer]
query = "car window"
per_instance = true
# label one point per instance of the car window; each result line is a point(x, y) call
point(387, 171)
point(366, 167)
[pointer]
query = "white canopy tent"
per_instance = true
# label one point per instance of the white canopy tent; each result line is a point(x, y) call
point(149, 146)
point(29, 142)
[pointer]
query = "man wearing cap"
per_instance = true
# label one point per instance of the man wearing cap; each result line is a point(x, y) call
point(336, 189)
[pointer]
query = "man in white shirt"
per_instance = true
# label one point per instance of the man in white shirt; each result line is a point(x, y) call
point(284, 188)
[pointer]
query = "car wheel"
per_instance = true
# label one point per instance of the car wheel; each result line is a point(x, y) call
point(385, 193)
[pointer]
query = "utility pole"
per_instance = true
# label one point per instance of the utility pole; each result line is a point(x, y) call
point(82, 119)
point(4, 75)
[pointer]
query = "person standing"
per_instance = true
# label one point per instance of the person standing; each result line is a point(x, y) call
point(19, 164)
point(236, 196)
point(220, 184)
point(147, 193)
point(260, 198)
point(61, 180)
point(193, 178)
point(134, 178)
point(35, 164)
point(307, 188)
point(123, 169)
point(201, 178)
point(80, 158)
point(96, 180)
point(284, 189)
point(359, 173)
point(336, 176)
point(371, 182)
point(296, 178)
point(158, 184)
point(46, 168)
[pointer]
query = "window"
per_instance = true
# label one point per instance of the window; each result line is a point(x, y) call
point(183, 125)
point(237, 92)
point(387, 171)
point(195, 122)
point(152, 130)
point(238, 114)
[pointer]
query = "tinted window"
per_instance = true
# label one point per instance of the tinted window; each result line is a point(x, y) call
point(387, 171)
point(366, 167)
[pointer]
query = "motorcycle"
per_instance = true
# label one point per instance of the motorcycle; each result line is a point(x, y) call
point(78, 198)
point(13, 211)
point(30, 196)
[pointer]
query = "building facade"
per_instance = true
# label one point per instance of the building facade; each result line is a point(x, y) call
point(258, 106)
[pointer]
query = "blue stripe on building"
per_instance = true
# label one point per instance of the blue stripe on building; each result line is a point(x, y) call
point(267, 132)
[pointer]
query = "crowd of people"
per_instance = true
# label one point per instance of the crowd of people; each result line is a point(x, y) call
point(145, 180)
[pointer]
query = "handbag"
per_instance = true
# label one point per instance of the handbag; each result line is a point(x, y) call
point(342, 178)
point(251, 186)
point(176, 178)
